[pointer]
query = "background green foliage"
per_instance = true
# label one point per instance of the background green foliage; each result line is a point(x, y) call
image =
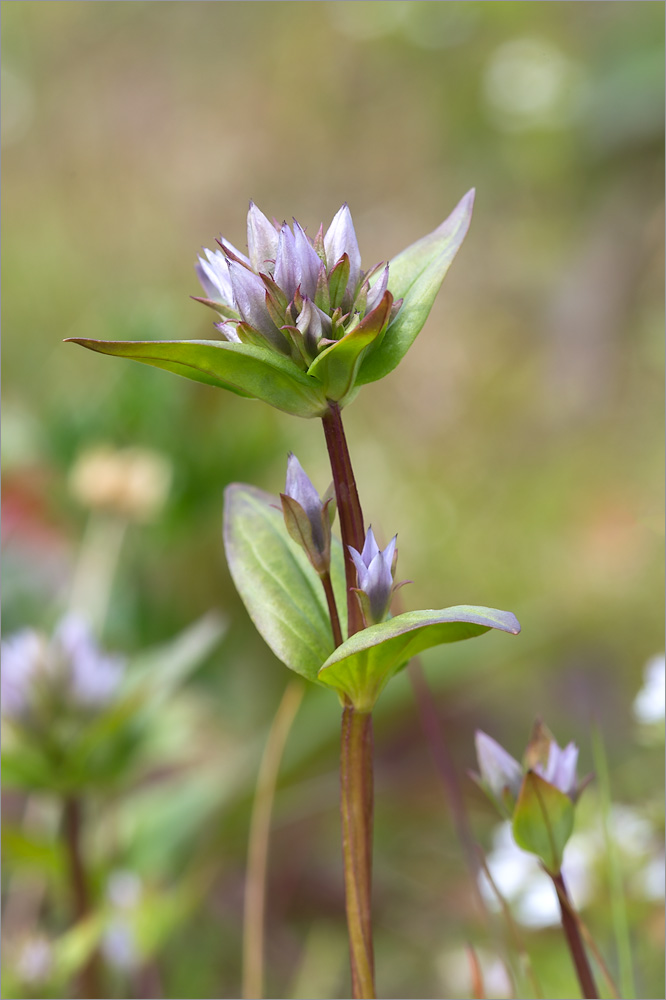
point(517, 449)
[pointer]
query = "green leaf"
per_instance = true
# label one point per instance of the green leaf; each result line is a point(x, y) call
point(362, 666)
point(415, 276)
point(281, 591)
point(246, 369)
point(338, 365)
point(543, 821)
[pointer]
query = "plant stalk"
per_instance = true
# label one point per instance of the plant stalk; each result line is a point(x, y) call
point(574, 940)
point(260, 826)
point(356, 780)
point(356, 774)
point(349, 506)
point(89, 977)
point(332, 608)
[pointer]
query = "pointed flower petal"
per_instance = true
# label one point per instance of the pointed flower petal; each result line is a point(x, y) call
point(499, 770)
point(340, 239)
point(262, 240)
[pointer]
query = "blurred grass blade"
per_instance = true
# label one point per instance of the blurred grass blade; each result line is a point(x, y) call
point(280, 589)
point(363, 665)
point(258, 841)
point(415, 276)
point(618, 903)
point(245, 369)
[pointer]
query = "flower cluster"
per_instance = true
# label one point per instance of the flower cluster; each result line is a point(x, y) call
point(296, 295)
point(69, 671)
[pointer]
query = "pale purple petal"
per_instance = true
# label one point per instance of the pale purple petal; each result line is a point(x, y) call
point(340, 239)
point(387, 554)
point(499, 770)
point(309, 323)
point(22, 655)
point(213, 273)
point(228, 331)
point(370, 547)
point(378, 586)
point(376, 292)
point(286, 264)
point(361, 568)
point(262, 240)
point(560, 770)
point(250, 298)
point(93, 676)
point(308, 260)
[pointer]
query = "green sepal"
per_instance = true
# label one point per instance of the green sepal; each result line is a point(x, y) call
point(299, 527)
point(278, 586)
point(337, 366)
point(362, 666)
point(543, 821)
point(246, 369)
point(415, 276)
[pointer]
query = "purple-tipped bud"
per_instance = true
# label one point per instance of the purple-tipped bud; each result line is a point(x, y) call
point(307, 516)
point(374, 575)
point(262, 240)
point(341, 239)
point(500, 772)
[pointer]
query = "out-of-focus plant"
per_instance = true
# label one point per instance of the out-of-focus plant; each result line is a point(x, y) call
point(539, 798)
point(77, 726)
point(302, 327)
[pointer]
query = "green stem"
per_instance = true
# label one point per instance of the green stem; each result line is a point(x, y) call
point(89, 977)
point(574, 940)
point(356, 806)
point(349, 507)
point(260, 826)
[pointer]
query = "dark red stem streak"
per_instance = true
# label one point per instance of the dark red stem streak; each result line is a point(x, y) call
point(574, 940)
point(89, 977)
point(349, 506)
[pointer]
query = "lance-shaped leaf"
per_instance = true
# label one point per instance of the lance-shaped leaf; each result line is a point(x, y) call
point(362, 666)
point(281, 591)
point(543, 821)
point(337, 366)
point(245, 369)
point(415, 276)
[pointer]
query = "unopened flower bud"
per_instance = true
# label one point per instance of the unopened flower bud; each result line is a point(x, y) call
point(374, 573)
point(308, 516)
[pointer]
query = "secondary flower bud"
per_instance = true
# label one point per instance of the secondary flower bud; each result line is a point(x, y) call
point(308, 517)
point(374, 572)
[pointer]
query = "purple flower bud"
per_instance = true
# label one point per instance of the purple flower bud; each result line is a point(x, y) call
point(500, 772)
point(374, 574)
point(262, 240)
point(250, 298)
point(299, 487)
point(340, 239)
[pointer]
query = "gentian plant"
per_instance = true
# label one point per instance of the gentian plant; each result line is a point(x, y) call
point(303, 327)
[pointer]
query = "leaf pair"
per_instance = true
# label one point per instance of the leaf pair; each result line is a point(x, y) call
point(286, 603)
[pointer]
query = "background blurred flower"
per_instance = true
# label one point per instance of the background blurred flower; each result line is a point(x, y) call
point(130, 482)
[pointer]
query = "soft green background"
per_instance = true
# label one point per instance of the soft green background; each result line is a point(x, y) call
point(517, 450)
